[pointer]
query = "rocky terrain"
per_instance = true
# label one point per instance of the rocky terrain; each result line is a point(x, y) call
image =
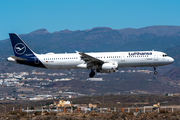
point(91, 116)
point(125, 101)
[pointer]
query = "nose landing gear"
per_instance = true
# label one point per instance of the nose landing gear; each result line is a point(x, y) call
point(92, 73)
point(155, 72)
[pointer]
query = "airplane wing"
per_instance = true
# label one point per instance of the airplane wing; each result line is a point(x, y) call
point(89, 59)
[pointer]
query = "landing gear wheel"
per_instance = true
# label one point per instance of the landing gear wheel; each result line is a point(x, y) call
point(155, 72)
point(92, 73)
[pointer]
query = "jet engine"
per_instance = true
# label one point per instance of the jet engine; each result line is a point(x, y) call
point(107, 67)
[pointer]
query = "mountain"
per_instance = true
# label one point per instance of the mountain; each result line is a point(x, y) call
point(175, 53)
point(173, 74)
point(156, 30)
point(99, 39)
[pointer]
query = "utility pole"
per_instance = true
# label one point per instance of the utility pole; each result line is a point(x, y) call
point(71, 106)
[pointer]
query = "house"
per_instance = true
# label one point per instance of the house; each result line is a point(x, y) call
point(92, 105)
point(63, 103)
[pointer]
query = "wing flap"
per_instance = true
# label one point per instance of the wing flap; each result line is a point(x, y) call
point(87, 57)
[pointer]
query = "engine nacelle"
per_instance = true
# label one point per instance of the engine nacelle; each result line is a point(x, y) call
point(108, 67)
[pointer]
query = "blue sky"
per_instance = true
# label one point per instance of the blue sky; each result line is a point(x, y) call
point(23, 16)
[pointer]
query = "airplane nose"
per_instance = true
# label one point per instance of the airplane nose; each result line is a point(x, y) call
point(171, 60)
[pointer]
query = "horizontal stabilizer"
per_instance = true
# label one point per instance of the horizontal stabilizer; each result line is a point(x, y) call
point(18, 58)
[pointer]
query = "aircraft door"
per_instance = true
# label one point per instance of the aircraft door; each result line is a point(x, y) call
point(122, 60)
point(155, 57)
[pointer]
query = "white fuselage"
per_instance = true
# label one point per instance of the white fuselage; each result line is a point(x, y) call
point(124, 59)
point(104, 62)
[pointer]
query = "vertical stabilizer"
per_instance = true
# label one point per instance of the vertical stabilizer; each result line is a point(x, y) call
point(19, 46)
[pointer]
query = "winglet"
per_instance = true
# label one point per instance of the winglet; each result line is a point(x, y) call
point(76, 51)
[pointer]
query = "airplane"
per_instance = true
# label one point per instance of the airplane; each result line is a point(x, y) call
point(103, 62)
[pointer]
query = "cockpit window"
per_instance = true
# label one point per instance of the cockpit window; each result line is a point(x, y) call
point(164, 55)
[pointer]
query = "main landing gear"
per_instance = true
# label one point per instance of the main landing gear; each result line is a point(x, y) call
point(155, 72)
point(92, 73)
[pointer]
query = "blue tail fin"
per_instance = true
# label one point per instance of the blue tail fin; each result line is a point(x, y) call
point(19, 46)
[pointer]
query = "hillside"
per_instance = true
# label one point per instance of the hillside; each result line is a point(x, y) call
point(99, 39)
point(163, 38)
point(175, 53)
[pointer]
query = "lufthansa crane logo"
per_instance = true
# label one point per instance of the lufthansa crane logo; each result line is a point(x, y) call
point(20, 48)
